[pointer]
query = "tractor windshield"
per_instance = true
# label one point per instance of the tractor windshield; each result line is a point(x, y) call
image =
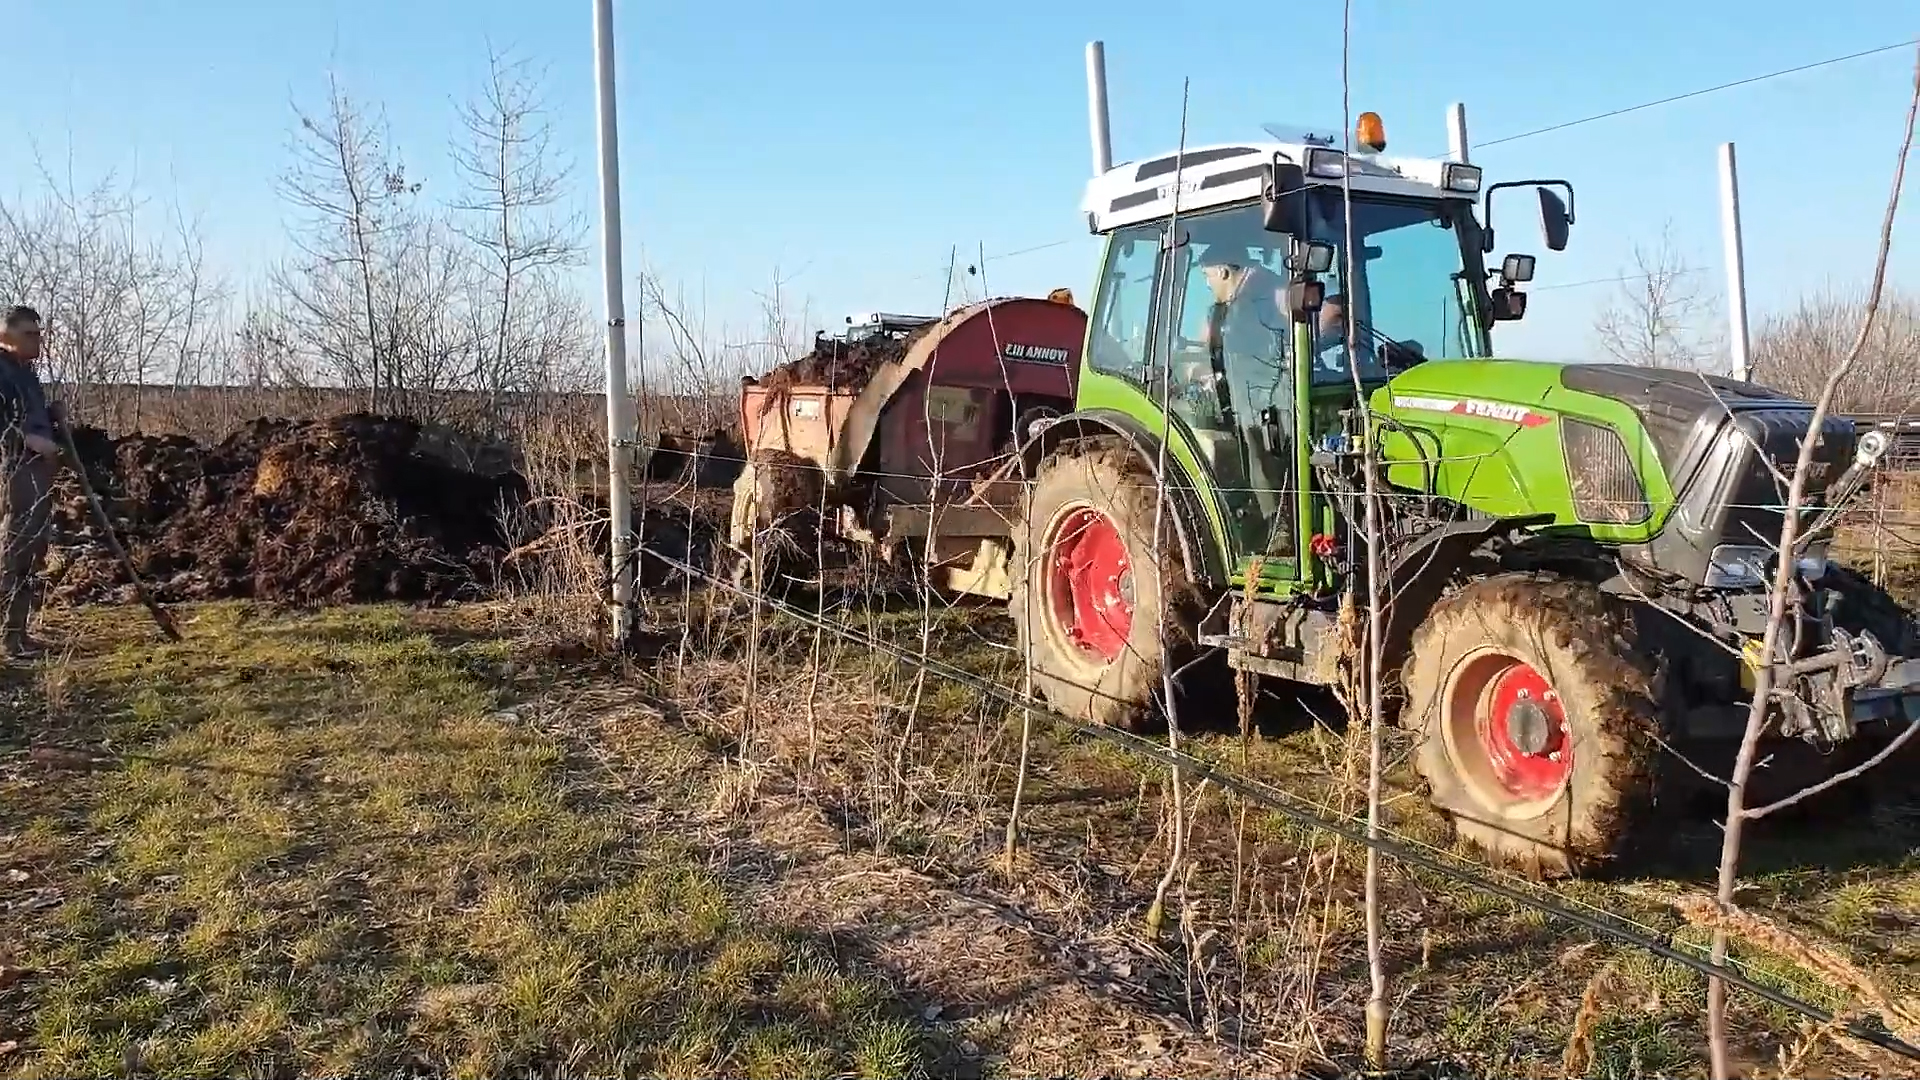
point(1414, 287)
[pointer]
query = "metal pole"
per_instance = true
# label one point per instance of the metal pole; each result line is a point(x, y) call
point(1097, 117)
point(1736, 263)
point(619, 407)
point(1457, 132)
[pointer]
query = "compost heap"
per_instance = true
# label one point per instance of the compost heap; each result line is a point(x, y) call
point(331, 511)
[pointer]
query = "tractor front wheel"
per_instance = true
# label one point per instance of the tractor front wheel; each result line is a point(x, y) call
point(1536, 717)
point(1101, 614)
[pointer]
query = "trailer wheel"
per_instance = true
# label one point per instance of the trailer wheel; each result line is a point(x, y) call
point(1536, 717)
point(1087, 587)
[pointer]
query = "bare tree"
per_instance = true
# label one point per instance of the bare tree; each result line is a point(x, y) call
point(356, 220)
point(1659, 315)
point(262, 350)
point(123, 306)
point(508, 210)
point(202, 297)
point(697, 367)
point(1796, 351)
point(412, 303)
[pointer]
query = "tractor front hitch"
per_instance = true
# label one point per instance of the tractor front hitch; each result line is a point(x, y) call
point(1895, 699)
point(1824, 697)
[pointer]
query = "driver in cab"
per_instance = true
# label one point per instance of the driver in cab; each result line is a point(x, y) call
point(1247, 318)
point(1330, 335)
point(1330, 345)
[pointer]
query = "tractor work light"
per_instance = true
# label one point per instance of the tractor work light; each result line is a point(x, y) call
point(1813, 562)
point(1733, 566)
point(1462, 178)
point(1326, 164)
point(1370, 133)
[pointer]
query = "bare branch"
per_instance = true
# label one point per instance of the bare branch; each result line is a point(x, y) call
point(1783, 591)
point(1885, 752)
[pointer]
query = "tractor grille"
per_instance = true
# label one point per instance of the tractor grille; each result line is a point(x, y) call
point(1606, 487)
point(1753, 495)
point(1733, 495)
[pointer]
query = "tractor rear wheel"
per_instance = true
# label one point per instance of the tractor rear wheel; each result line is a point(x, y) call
point(1536, 715)
point(1101, 614)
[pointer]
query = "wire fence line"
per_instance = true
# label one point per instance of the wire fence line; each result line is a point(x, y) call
point(1909, 463)
point(1320, 818)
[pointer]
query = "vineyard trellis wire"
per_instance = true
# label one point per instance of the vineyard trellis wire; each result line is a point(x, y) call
point(1299, 811)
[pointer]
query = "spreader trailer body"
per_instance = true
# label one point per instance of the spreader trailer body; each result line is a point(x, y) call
point(899, 435)
point(1578, 556)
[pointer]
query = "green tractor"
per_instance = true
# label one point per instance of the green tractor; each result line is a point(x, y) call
point(1577, 556)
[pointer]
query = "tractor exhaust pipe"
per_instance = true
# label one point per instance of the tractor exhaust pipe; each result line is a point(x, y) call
point(1097, 118)
point(1457, 133)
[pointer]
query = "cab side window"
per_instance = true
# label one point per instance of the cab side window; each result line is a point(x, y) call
point(1123, 315)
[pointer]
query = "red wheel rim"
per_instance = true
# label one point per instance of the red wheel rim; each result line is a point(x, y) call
point(1523, 732)
point(1091, 582)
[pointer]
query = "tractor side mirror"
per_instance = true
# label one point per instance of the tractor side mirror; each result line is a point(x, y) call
point(1556, 220)
point(1509, 304)
point(1283, 200)
point(1517, 269)
point(1556, 213)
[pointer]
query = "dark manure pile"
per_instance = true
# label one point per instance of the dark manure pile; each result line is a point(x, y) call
point(347, 509)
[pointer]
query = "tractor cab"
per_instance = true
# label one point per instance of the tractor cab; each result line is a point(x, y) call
point(1254, 287)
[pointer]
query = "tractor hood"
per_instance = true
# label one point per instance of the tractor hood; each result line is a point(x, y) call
point(1669, 403)
point(1612, 450)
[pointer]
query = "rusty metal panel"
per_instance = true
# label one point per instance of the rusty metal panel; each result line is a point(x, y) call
point(803, 420)
point(1011, 344)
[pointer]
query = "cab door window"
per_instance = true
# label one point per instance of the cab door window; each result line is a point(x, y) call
point(1232, 348)
point(1123, 312)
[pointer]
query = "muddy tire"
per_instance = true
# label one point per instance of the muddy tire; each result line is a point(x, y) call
point(1536, 717)
point(1087, 589)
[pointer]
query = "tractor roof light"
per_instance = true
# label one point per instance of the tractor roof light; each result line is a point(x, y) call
point(1370, 133)
point(1465, 179)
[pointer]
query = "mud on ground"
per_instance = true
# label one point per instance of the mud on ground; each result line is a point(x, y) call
point(353, 508)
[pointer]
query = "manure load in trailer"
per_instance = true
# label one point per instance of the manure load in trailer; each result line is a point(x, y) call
point(904, 431)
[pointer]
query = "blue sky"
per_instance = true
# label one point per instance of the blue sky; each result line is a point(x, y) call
point(851, 145)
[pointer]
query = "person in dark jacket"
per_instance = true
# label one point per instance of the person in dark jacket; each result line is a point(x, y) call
point(28, 454)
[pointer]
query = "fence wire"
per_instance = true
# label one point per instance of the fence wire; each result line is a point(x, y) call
point(1297, 810)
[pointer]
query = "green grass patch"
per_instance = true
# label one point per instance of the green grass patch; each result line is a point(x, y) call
point(315, 844)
